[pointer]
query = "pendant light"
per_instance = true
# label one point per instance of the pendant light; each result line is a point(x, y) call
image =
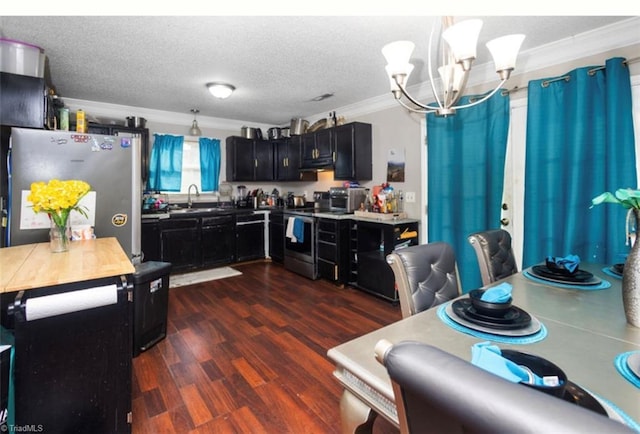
point(195, 131)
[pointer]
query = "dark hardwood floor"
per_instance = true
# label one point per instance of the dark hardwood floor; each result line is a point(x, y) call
point(247, 354)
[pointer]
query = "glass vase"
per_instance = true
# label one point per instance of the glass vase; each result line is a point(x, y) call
point(59, 237)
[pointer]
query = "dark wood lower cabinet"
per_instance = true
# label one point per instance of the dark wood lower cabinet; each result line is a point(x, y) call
point(150, 240)
point(374, 242)
point(218, 241)
point(180, 243)
point(333, 250)
point(249, 237)
point(276, 236)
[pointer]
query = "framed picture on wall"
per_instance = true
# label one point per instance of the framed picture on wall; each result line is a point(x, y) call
point(395, 165)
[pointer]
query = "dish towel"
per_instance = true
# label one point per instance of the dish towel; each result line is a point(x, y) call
point(489, 357)
point(298, 229)
point(498, 294)
point(289, 231)
point(570, 262)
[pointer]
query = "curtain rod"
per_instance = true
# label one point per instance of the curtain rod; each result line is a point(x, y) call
point(566, 77)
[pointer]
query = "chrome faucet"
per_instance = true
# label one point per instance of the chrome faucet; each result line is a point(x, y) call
point(189, 201)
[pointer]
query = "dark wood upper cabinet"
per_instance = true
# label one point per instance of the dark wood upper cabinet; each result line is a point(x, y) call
point(353, 148)
point(249, 159)
point(317, 149)
point(287, 160)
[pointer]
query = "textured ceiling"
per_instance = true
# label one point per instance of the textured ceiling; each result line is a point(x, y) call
point(278, 64)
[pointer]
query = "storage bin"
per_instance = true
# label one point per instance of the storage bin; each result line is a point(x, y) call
point(150, 304)
point(22, 58)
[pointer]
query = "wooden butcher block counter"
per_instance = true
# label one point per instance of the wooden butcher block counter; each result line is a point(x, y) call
point(35, 266)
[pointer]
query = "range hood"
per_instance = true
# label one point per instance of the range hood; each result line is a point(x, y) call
point(317, 165)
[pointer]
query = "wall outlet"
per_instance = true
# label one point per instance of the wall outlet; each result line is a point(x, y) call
point(410, 196)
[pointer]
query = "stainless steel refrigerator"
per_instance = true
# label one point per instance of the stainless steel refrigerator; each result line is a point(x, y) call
point(110, 164)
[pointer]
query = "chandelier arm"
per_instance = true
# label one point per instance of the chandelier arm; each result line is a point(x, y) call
point(413, 100)
point(431, 81)
point(415, 110)
point(483, 99)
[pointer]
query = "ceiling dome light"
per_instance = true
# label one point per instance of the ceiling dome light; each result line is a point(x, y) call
point(221, 90)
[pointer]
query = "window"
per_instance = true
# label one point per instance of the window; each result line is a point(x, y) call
point(190, 165)
point(177, 162)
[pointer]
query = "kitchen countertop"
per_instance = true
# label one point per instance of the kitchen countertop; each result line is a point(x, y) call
point(34, 266)
point(193, 212)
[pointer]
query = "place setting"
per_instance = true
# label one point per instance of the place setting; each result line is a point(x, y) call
point(614, 270)
point(565, 272)
point(544, 376)
point(628, 365)
point(490, 314)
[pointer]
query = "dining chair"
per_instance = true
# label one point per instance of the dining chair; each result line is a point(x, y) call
point(437, 392)
point(495, 254)
point(426, 275)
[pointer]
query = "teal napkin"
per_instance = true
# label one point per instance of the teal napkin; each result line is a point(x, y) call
point(498, 294)
point(570, 262)
point(489, 357)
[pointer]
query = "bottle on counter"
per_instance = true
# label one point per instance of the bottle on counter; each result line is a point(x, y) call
point(81, 124)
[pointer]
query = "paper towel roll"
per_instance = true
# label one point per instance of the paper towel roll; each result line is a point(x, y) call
point(67, 302)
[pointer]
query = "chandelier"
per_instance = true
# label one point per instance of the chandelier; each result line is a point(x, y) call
point(458, 54)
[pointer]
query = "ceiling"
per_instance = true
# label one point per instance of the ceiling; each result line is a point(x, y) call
point(278, 64)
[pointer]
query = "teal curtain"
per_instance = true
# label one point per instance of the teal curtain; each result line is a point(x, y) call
point(579, 144)
point(165, 164)
point(466, 156)
point(209, 163)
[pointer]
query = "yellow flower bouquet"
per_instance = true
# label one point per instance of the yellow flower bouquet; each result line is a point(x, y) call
point(58, 198)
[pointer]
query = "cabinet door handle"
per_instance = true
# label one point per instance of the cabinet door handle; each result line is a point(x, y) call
point(334, 156)
point(256, 162)
point(335, 272)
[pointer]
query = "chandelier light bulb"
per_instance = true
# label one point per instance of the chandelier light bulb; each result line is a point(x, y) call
point(504, 51)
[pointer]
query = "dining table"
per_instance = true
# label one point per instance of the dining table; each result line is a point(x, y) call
point(580, 328)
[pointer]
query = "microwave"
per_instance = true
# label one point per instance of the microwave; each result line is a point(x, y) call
point(347, 199)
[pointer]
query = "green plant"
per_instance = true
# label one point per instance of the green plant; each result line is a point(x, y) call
point(627, 197)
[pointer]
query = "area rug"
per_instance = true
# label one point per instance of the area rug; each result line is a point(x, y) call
point(176, 280)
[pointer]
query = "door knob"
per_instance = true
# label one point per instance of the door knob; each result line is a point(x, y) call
point(504, 221)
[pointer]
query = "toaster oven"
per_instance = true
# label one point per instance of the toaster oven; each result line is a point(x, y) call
point(346, 199)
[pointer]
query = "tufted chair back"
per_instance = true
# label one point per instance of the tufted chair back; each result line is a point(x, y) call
point(495, 255)
point(426, 275)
